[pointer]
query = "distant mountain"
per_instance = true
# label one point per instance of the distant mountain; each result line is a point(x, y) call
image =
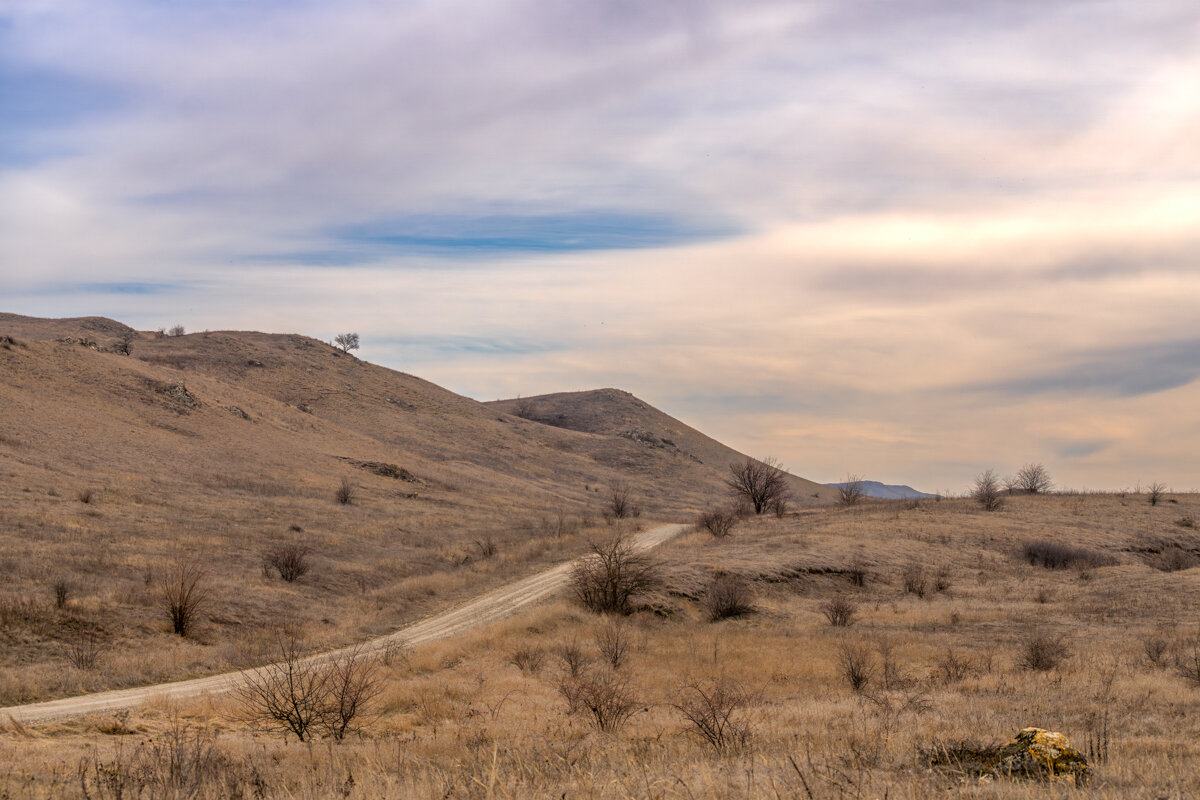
point(887, 491)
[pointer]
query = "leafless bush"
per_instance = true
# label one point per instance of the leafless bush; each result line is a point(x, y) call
point(176, 330)
point(1042, 652)
point(952, 667)
point(851, 490)
point(614, 642)
point(603, 694)
point(62, 593)
point(758, 483)
point(1034, 479)
point(840, 611)
point(621, 504)
point(290, 561)
point(1057, 555)
point(986, 490)
point(1157, 647)
point(345, 492)
point(182, 595)
point(179, 763)
point(527, 659)
point(857, 573)
point(572, 657)
point(857, 665)
point(778, 506)
point(1155, 493)
point(607, 579)
point(1187, 660)
point(84, 651)
point(941, 580)
point(307, 696)
point(715, 712)
point(718, 521)
point(914, 579)
point(487, 547)
point(85, 496)
point(728, 596)
point(1174, 558)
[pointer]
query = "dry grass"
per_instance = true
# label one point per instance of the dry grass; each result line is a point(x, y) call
point(457, 720)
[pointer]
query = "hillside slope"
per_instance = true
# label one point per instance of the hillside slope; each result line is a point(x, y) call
point(617, 415)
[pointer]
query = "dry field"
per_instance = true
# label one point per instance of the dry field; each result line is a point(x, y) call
point(958, 637)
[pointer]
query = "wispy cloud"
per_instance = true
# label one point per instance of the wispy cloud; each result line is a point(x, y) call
point(863, 236)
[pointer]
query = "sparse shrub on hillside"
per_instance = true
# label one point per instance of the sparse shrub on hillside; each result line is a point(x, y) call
point(307, 697)
point(1042, 652)
point(85, 496)
point(621, 503)
point(528, 659)
point(124, 343)
point(840, 611)
point(182, 595)
point(856, 573)
point(728, 596)
point(346, 341)
point(605, 696)
point(1157, 646)
point(1186, 521)
point(614, 642)
point(941, 580)
point(1034, 479)
point(487, 547)
point(572, 657)
point(851, 491)
point(176, 330)
point(84, 651)
point(290, 561)
point(986, 490)
point(1057, 555)
point(1187, 660)
point(914, 579)
point(612, 574)
point(778, 506)
point(952, 667)
point(716, 712)
point(758, 483)
point(1174, 558)
point(1155, 493)
point(345, 492)
point(718, 521)
point(62, 593)
point(857, 665)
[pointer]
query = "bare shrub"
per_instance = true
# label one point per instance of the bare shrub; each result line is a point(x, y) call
point(606, 580)
point(572, 657)
point(346, 342)
point(306, 696)
point(62, 593)
point(758, 483)
point(85, 496)
point(942, 580)
point(851, 490)
point(182, 595)
point(715, 711)
point(290, 561)
point(1057, 555)
point(1187, 660)
point(606, 696)
point(857, 665)
point(1174, 558)
point(176, 330)
point(718, 521)
point(914, 579)
point(487, 547)
point(614, 642)
point(345, 492)
point(1042, 652)
point(1157, 647)
point(84, 651)
point(986, 490)
point(952, 667)
point(856, 573)
point(527, 659)
point(1155, 493)
point(1034, 479)
point(728, 596)
point(840, 611)
point(621, 504)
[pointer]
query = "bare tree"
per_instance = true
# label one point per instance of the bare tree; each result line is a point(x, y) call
point(986, 491)
point(620, 503)
point(176, 330)
point(1034, 479)
point(759, 483)
point(290, 694)
point(182, 595)
point(607, 579)
point(1155, 492)
point(346, 341)
point(713, 709)
point(851, 490)
point(354, 683)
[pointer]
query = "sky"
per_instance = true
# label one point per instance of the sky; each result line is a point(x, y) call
point(903, 239)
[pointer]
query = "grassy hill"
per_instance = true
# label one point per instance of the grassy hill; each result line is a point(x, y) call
point(221, 448)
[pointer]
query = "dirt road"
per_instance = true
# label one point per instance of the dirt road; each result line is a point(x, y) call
point(486, 608)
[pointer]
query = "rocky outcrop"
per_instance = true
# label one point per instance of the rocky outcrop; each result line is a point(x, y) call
point(1035, 752)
